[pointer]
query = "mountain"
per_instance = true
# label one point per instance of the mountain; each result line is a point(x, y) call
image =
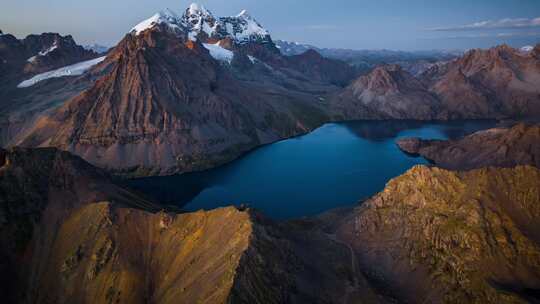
point(437, 236)
point(38, 53)
point(165, 105)
point(200, 24)
point(501, 147)
point(495, 83)
point(289, 48)
point(97, 48)
point(34, 59)
point(501, 81)
point(388, 92)
point(70, 234)
point(364, 61)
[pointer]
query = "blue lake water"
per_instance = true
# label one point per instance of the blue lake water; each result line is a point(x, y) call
point(337, 165)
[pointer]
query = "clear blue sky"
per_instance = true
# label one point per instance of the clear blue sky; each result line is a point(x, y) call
point(358, 24)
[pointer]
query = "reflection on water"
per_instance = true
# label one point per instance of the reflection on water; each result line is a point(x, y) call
point(386, 129)
point(336, 165)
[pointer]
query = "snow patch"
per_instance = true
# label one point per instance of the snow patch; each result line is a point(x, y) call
point(198, 19)
point(252, 59)
point(70, 70)
point(527, 49)
point(43, 53)
point(47, 51)
point(167, 17)
point(219, 53)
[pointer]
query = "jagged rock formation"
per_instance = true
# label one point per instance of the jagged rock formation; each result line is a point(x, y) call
point(501, 147)
point(437, 236)
point(388, 92)
point(70, 235)
point(37, 53)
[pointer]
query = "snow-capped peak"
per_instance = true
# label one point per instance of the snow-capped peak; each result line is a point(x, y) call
point(526, 49)
point(166, 16)
point(198, 10)
point(198, 22)
point(244, 14)
point(244, 28)
point(197, 19)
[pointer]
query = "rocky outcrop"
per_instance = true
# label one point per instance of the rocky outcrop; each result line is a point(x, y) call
point(388, 92)
point(437, 236)
point(501, 147)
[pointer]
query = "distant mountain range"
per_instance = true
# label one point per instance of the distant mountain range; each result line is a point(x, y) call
point(98, 48)
point(365, 60)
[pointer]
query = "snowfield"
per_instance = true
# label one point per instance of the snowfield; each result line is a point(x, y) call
point(219, 53)
point(70, 70)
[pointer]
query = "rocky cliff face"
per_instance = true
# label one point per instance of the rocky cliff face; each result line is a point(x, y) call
point(388, 92)
point(501, 147)
point(446, 237)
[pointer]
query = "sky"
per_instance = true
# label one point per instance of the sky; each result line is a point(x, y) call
point(355, 24)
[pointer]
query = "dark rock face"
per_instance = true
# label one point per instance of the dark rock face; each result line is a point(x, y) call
point(446, 237)
point(501, 147)
point(388, 92)
point(50, 51)
point(38, 53)
point(318, 68)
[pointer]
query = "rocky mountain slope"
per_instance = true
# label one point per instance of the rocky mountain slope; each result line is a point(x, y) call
point(501, 81)
point(388, 92)
point(496, 83)
point(437, 236)
point(501, 147)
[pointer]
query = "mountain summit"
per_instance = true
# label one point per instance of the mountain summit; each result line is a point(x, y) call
point(198, 23)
